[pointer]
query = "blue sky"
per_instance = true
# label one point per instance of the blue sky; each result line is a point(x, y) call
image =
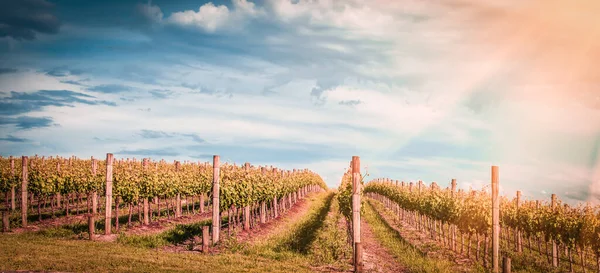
point(429, 90)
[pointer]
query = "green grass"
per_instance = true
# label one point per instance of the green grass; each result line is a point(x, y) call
point(331, 246)
point(56, 250)
point(294, 240)
point(36, 252)
point(404, 252)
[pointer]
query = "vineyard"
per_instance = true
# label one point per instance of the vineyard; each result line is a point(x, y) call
point(462, 222)
point(288, 217)
point(58, 187)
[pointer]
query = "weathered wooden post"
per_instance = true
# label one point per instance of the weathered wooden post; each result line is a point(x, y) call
point(178, 196)
point(109, 184)
point(205, 239)
point(506, 267)
point(358, 264)
point(202, 202)
point(58, 195)
point(5, 221)
point(12, 190)
point(453, 189)
point(146, 216)
point(95, 193)
point(216, 219)
point(263, 204)
point(495, 220)
point(91, 225)
point(518, 240)
point(24, 191)
point(554, 246)
point(247, 207)
point(275, 208)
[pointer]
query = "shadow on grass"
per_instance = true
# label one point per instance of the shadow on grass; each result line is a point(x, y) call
point(300, 239)
point(177, 235)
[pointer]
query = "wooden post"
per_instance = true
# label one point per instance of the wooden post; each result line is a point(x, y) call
point(12, 190)
point(518, 240)
point(205, 239)
point(263, 204)
point(109, 184)
point(247, 207)
point(146, 210)
point(216, 221)
point(358, 265)
point(91, 226)
point(275, 207)
point(58, 195)
point(95, 193)
point(495, 220)
point(202, 202)
point(178, 196)
point(506, 268)
point(24, 191)
point(5, 222)
point(453, 227)
point(453, 187)
point(554, 246)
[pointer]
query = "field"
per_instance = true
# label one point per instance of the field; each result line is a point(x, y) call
point(75, 215)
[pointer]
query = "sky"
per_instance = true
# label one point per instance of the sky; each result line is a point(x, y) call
point(420, 90)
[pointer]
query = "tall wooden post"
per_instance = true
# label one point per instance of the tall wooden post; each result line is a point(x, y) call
point(109, 184)
point(518, 243)
point(5, 221)
point(202, 202)
point(178, 196)
point(495, 220)
point(145, 201)
point(247, 207)
point(216, 221)
point(506, 268)
point(275, 207)
point(95, 193)
point(12, 190)
point(205, 239)
point(24, 191)
point(453, 189)
point(554, 246)
point(263, 204)
point(58, 195)
point(91, 226)
point(358, 264)
point(453, 186)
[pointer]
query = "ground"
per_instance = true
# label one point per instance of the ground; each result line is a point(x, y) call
point(310, 237)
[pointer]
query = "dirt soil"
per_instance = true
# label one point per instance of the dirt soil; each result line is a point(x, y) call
point(52, 223)
point(375, 257)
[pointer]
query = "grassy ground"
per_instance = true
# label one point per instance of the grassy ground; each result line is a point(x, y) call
point(57, 250)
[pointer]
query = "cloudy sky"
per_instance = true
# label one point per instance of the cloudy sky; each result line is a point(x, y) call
point(429, 90)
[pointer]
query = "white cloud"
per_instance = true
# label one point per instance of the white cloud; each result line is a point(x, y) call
point(211, 18)
point(208, 17)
